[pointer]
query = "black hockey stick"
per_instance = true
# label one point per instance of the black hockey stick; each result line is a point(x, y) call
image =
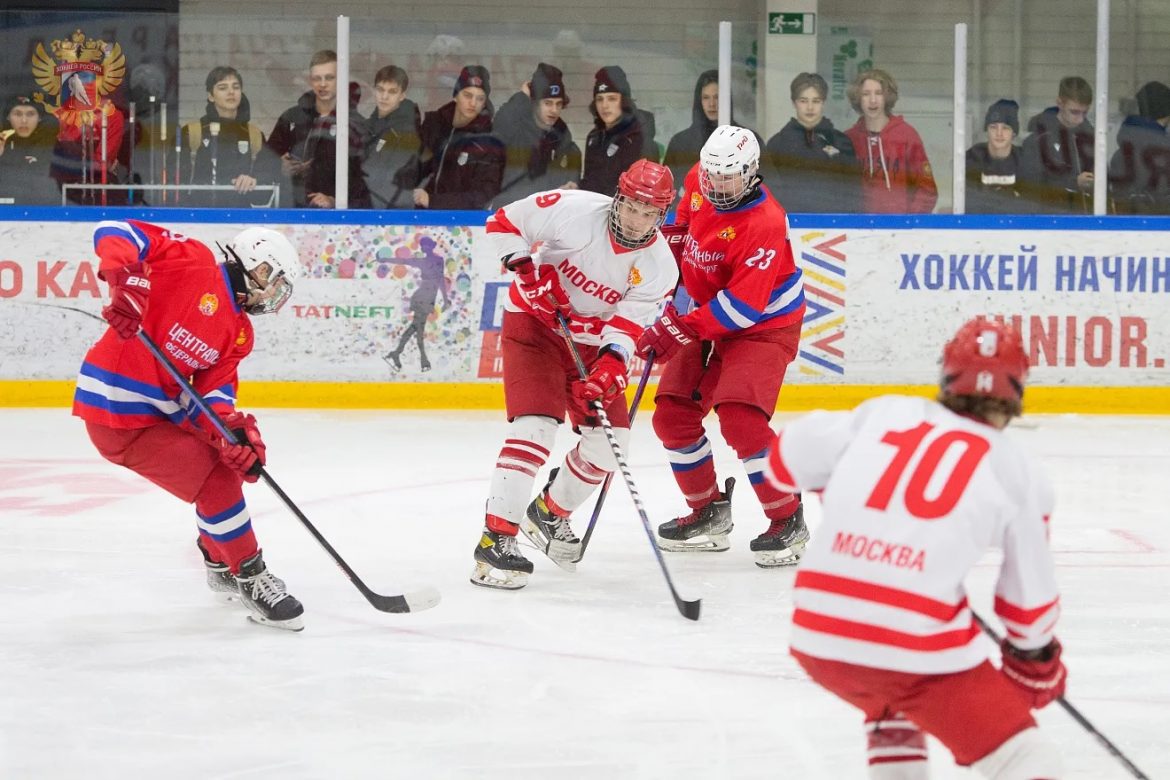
point(688, 609)
point(1076, 715)
point(407, 602)
point(609, 477)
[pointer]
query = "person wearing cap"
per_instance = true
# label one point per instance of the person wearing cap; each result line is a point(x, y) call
point(305, 139)
point(225, 147)
point(1139, 172)
point(621, 133)
point(26, 149)
point(460, 163)
point(993, 183)
point(541, 152)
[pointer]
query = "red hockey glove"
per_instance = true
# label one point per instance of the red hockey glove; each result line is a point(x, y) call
point(1039, 673)
point(676, 239)
point(129, 292)
point(607, 379)
point(542, 289)
point(666, 336)
point(247, 457)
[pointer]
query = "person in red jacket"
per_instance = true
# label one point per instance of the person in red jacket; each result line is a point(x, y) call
point(172, 288)
point(895, 174)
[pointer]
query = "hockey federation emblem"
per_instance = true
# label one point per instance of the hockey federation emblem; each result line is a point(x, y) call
point(208, 304)
point(635, 277)
point(696, 201)
point(242, 147)
point(242, 339)
point(611, 150)
point(80, 74)
point(727, 233)
point(462, 159)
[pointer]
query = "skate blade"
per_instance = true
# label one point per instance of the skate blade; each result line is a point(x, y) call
point(563, 554)
point(695, 544)
point(773, 559)
point(486, 576)
point(294, 624)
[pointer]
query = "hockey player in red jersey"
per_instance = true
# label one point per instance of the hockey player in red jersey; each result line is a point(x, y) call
point(602, 264)
point(730, 352)
point(914, 492)
point(196, 309)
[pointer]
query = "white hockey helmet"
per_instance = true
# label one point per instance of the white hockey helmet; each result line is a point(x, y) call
point(270, 263)
point(728, 164)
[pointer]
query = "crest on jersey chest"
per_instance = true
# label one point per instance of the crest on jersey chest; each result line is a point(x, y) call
point(696, 201)
point(727, 233)
point(635, 277)
point(208, 304)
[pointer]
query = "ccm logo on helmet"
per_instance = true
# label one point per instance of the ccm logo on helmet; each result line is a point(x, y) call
point(587, 285)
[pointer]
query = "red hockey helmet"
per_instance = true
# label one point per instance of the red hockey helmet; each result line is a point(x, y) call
point(985, 358)
point(645, 192)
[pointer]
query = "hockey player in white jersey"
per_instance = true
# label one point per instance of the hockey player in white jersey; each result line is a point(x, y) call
point(914, 492)
point(601, 264)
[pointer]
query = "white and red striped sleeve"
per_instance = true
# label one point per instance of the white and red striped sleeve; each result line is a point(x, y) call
point(1026, 595)
point(515, 228)
point(804, 454)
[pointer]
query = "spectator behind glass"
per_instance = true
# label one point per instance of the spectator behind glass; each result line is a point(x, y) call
point(305, 139)
point(895, 174)
point(1056, 160)
point(460, 164)
point(813, 166)
point(224, 147)
point(1139, 173)
point(391, 138)
point(541, 152)
point(993, 183)
point(618, 138)
point(26, 149)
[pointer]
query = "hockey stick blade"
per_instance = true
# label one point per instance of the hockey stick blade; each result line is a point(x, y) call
point(415, 601)
point(689, 609)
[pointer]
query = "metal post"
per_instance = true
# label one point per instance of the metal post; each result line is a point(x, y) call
point(725, 73)
point(1101, 142)
point(959, 121)
point(341, 177)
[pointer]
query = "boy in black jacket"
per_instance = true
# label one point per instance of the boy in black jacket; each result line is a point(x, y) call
point(391, 138)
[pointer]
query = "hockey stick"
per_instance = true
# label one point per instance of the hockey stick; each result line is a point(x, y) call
point(609, 477)
point(688, 609)
point(407, 602)
point(1075, 714)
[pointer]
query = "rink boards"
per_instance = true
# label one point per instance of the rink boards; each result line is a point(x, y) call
point(1089, 294)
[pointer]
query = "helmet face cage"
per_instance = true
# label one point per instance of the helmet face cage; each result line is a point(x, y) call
point(623, 237)
point(728, 164)
point(269, 262)
point(645, 189)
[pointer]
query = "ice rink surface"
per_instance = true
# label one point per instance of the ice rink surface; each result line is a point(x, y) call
point(117, 662)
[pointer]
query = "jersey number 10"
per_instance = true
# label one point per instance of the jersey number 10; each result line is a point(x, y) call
point(907, 443)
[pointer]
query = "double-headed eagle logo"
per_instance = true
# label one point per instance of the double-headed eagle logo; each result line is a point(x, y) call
point(81, 72)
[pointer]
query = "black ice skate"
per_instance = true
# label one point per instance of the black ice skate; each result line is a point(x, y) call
point(393, 358)
point(550, 532)
point(265, 596)
point(703, 530)
point(783, 543)
point(220, 579)
point(499, 563)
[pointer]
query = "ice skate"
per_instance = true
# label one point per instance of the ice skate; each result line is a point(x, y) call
point(424, 364)
point(703, 530)
point(550, 532)
point(220, 579)
point(394, 359)
point(265, 596)
point(783, 543)
point(499, 563)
